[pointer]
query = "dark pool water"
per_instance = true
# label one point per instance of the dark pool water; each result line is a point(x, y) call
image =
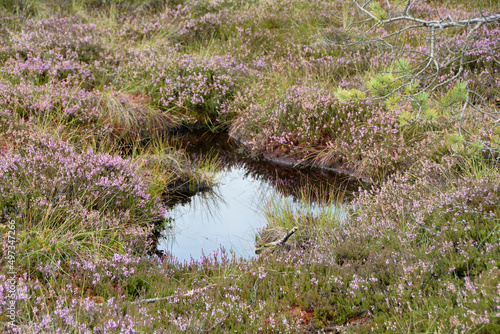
point(229, 216)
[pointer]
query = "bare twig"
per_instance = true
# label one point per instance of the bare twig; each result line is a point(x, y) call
point(438, 66)
point(172, 297)
point(276, 243)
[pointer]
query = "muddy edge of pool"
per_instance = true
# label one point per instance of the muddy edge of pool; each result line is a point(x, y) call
point(288, 161)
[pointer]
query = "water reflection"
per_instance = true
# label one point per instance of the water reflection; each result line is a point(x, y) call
point(226, 217)
point(229, 215)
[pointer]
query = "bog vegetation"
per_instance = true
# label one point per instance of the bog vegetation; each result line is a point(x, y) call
point(90, 88)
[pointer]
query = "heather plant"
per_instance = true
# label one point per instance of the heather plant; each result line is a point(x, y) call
point(71, 109)
point(108, 115)
point(43, 8)
point(48, 184)
point(439, 214)
point(373, 270)
point(88, 88)
point(59, 101)
point(426, 233)
point(39, 70)
point(198, 91)
point(313, 123)
point(437, 70)
point(126, 5)
point(399, 262)
point(64, 35)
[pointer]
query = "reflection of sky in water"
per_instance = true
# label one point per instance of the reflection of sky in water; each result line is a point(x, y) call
point(228, 218)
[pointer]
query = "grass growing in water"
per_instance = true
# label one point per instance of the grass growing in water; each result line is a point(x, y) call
point(315, 215)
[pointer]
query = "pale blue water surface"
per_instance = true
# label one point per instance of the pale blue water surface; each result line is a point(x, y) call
point(229, 216)
point(226, 218)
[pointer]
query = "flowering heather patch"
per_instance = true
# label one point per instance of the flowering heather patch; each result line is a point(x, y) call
point(409, 259)
point(417, 253)
point(420, 247)
point(477, 67)
point(199, 29)
point(431, 63)
point(206, 85)
point(105, 180)
point(46, 182)
point(42, 312)
point(94, 114)
point(40, 69)
point(63, 35)
point(58, 101)
point(311, 122)
point(197, 90)
point(436, 229)
point(480, 68)
point(303, 115)
point(423, 246)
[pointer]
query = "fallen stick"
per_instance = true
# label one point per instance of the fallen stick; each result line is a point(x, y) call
point(187, 294)
point(279, 242)
point(152, 300)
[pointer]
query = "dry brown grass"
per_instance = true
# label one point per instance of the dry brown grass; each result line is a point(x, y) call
point(130, 116)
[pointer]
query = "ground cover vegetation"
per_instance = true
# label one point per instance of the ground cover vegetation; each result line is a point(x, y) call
point(404, 94)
